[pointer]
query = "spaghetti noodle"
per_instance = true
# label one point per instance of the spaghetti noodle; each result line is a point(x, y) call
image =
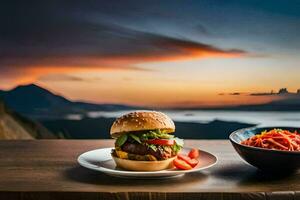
point(275, 139)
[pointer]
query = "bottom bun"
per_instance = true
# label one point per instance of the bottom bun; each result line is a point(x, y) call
point(135, 165)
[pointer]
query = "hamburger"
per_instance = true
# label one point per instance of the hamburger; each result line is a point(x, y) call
point(144, 141)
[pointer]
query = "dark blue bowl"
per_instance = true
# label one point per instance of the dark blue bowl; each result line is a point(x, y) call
point(265, 159)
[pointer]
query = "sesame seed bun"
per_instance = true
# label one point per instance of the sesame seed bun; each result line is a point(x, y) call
point(135, 165)
point(141, 121)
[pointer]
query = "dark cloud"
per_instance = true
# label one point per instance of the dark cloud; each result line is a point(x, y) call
point(231, 94)
point(35, 33)
point(45, 38)
point(61, 77)
point(68, 78)
point(62, 42)
point(235, 93)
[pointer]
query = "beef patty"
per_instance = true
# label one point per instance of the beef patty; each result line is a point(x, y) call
point(161, 153)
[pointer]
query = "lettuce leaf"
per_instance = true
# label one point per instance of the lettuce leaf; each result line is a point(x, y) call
point(136, 138)
point(156, 134)
point(121, 140)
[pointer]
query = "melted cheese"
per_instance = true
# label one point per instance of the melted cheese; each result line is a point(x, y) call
point(125, 155)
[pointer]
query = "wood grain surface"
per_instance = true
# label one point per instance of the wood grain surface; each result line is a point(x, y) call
point(48, 169)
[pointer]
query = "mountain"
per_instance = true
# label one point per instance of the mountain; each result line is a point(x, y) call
point(36, 102)
point(15, 126)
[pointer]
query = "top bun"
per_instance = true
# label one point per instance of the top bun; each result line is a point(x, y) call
point(141, 121)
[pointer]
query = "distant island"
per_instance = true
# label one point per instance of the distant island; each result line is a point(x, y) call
point(281, 91)
point(290, 102)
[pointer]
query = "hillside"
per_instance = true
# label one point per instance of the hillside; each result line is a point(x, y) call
point(15, 126)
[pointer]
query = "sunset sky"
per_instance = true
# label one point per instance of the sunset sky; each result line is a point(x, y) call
point(152, 53)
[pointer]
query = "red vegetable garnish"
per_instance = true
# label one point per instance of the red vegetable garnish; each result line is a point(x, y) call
point(161, 142)
point(193, 162)
point(194, 153)
point(187, 162)
point(181, 164)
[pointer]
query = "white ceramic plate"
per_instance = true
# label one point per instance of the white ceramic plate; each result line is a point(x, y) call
point(101, 160)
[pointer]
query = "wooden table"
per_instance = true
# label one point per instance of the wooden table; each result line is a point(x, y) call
point(47, 169)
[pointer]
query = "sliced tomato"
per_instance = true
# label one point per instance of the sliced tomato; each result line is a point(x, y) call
point(192, 162)
point(181, 164)
point(161, 142)
point(194, 153)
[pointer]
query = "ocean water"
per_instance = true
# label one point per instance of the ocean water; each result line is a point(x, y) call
point(261, 118)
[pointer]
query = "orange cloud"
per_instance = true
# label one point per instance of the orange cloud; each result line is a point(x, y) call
point(30, 74)
point(122, 49)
